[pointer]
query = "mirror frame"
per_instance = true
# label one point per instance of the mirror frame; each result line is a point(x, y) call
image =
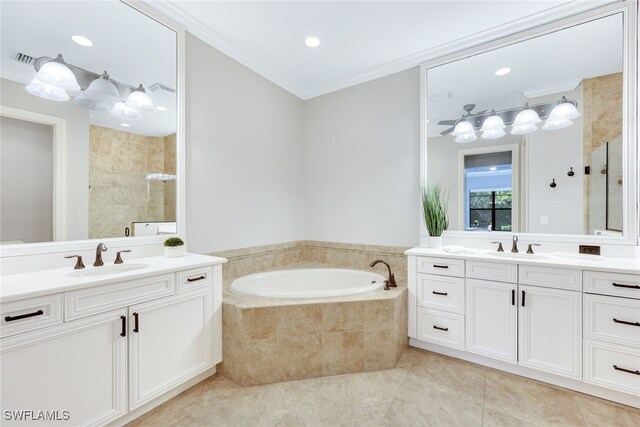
point(79, 245)
point(629, 12)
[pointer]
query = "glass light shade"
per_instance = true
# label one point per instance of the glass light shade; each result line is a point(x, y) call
point(493, 134)
point(523, 130)
point(556, 124)
point(525, 118)
point(462, 127)
point(140, 101)
point(43, 90)
point(101, 95)
point(59, 75)
point(493, 123)
point(466, 137)
point(124, 112)
point(564, 111)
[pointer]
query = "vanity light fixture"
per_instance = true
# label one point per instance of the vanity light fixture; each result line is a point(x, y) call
point(101, 95)
point(467, 137)
point(502, 71)
point(556, 124)
point(312, 41)
point(525, 122)
point(56, 73)
point(464, 132)
point(49, 92)
point(82, 41)
point(493, 134)
point(123, 111)
point(493, 122)
point(140, 101)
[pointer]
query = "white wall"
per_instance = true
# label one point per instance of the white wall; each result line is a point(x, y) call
point(14, 95)
point(361, 158)
point(243, 155)
point(26, 180)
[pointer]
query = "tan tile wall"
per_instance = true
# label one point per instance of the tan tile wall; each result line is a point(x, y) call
point(170, 164)
point(260, 258)
point(119, 194)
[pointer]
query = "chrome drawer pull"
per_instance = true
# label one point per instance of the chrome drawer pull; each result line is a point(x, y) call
point(440, 293)
point(23, 316)
point(195, 279)
point(620, 285)
point(439, 328)
point(624, 322)
point(440, 266)
point(636, 372)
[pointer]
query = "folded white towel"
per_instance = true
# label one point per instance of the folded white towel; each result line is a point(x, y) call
point(456, 249)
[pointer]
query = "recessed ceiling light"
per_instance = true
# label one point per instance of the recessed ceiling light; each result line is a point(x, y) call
point(161, 108)
point(312, 41)
point(126, 125)
point(82, 41)
point(493, 168)
point(502, 71)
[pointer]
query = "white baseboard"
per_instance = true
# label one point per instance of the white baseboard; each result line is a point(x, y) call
point(604, 393)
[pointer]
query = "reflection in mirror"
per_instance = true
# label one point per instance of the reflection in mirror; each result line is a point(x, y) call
point(88, 122)
point(533, 142)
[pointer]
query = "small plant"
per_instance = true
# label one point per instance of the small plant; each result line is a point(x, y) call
point(434, 205)
point(172, 242)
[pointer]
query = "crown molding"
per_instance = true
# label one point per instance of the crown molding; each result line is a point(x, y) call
point(208, 35)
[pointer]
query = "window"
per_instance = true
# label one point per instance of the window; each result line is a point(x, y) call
point(490, 210)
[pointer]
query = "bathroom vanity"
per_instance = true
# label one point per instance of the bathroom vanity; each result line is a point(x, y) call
point(569, 321)
point(105, 344)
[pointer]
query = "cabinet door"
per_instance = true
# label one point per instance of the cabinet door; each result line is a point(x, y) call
point(79, 367)
point(170, 341)
point(491, 319)
point(550, 330)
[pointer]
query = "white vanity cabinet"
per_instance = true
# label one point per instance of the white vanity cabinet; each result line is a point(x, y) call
point(554, 321)
point(122, 348)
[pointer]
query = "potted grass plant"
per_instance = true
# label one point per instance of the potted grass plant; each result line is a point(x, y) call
point(174, 247)
point(434, 205)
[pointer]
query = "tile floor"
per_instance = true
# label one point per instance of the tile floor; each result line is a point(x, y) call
point(424, 389)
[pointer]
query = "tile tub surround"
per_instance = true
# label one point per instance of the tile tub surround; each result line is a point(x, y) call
point(270, 340)
point(423, 389)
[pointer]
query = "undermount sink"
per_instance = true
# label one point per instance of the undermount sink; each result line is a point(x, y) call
point(107, 269)
point(518, 255)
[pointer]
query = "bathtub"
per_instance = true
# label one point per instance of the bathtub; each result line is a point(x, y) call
point(308, 283)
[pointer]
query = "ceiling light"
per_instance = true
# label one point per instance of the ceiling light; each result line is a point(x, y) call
point(492, 134)
point(56, 73)
point(493, 122)
point(556, 124)
point(467, 137)
point(140, 101)
point(126, 125)
point(312, 41)
point(82, 41)
point(101, 95)
point(43, 90)
point(161, 108)
point(502, 71)
point(123, 111)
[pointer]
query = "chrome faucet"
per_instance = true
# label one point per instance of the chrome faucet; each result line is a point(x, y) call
point(98, 262)
point(392, 279)
point(514, 248)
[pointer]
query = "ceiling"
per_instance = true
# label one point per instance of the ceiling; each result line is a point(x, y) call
point(133, 49)
point(359, 41)
point(553, 63)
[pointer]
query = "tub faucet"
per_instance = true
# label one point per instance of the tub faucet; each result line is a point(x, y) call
point(514, 248)
point(98, 262)
point(392, 279)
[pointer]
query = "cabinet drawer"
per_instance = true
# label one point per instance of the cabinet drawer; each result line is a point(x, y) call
point(441, 266)
point(612, 319)
point(613, 366)
point(442, 328)
point(550, 277)
point(85, 302)
point(492, 271)
point(441, 293)
point(29, 314)
point(194, 279)
point(601, 282)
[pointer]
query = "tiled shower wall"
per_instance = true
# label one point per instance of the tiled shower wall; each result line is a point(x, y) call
point(261, 258)
point(119, 194)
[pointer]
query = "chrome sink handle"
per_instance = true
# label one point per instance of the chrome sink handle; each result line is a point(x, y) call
point(500, 248)
point(530, 247)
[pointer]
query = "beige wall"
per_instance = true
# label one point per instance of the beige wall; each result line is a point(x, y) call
point(119, 194)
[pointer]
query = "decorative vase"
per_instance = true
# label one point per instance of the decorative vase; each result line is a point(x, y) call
point(435, 242)
point(174, 251)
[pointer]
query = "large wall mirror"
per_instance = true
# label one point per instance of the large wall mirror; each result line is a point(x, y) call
point(533, 136)
point(89, 116)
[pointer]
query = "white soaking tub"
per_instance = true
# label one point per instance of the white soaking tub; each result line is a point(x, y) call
point(308, 283)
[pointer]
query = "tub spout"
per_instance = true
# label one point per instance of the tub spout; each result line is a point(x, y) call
point(392, 279)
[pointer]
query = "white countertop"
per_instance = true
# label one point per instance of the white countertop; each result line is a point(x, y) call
point(616, 265)
point(26, 285)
